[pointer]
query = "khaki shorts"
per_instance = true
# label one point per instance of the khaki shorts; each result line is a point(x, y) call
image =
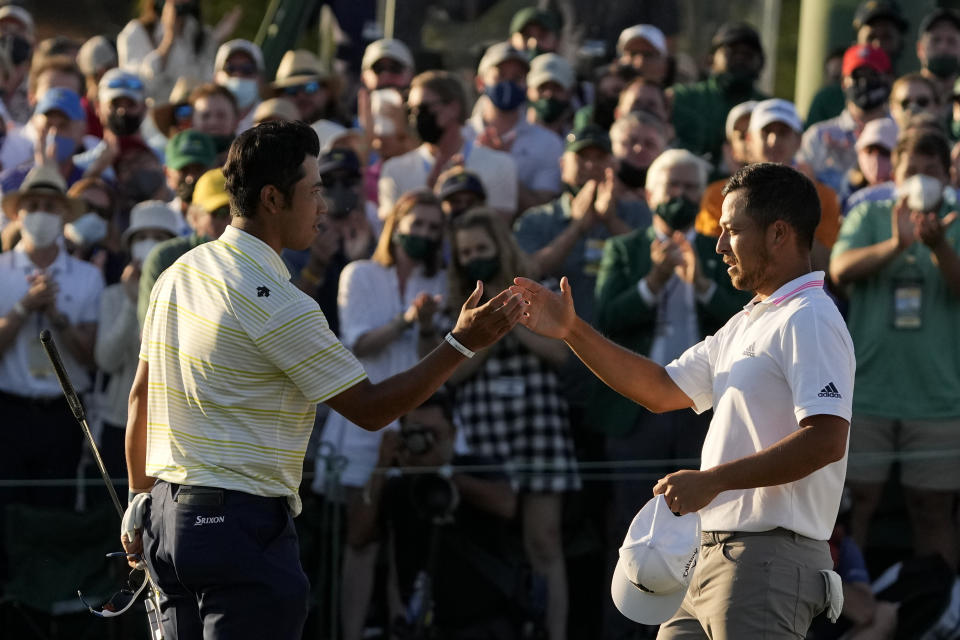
point(746, 586)
point(931, 449)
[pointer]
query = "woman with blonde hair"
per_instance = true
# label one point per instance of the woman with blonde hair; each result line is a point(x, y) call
point(508, 401)
point(386, 306)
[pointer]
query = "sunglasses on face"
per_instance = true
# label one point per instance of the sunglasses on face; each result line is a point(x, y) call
point(387, 66)
point(235, 69)
point(922, 102)
point(309, 88)
point(128, 595)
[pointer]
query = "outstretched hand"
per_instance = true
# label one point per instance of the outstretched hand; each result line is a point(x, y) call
point(547, 313)
point(478, 327)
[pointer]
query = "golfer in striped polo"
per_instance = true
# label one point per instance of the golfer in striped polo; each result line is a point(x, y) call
point(233, 361)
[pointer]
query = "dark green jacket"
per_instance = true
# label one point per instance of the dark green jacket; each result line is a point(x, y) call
point(624, 317)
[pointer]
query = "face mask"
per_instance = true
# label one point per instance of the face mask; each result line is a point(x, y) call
point(736, 80)
point(417, 247)
point(603, 108)
point(427, 127)
point(631, 176)
point(221, 142)
point(142, 184)
point(943, 66)
point(482, 269)
point(140, 249)
point(41, 228)
point(245, 90)
point(876, 168)
point(343, 200)
point(185, 188)
point(550, 110)
point(64, 146)
point(867, 93)
point(679, 213)
point(86, 231)
point(123, 124)
point(923, 193)
point(536, 51)
point(506, 95)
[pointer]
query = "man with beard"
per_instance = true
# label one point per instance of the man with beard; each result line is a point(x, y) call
point(438, 108)
point(499, 124)
point(829, 147)
point(779, 378)
point(700, 109)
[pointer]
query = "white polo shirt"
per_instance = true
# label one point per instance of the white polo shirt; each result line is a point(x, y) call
point(772, 365)
point(239, 359)
point(24, 367)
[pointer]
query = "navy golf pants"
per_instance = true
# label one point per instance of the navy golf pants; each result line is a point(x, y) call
point(227, 564)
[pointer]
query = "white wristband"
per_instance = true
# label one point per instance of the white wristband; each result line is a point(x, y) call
point(456, 344)
point(20, 310)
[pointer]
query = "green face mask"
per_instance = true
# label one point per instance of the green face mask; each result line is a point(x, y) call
point(943, 66)
point(736, 81)
point(482, 268)
point(679, 213)
point(550, 110)
point(417, 247)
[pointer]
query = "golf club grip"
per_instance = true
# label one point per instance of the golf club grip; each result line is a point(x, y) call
point(46, 339)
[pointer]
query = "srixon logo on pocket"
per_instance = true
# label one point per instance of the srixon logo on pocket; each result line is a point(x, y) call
point(200, 521)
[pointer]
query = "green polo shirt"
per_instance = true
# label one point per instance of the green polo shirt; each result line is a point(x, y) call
point(906, 373)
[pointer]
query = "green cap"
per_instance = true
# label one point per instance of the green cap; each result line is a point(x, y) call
point(190, 147)
point(588, 136)
point(532, 15)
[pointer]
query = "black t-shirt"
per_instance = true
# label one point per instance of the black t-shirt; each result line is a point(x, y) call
point(469, 550)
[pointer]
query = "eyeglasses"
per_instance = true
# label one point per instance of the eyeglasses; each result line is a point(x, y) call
point(129, 83)
point(235, 69)
point(308, 88)
point(182, 112)
point(387, 66)
point(922, 102)
point(120, 602)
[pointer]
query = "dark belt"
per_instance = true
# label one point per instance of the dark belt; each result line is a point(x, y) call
point(710, 538)
point(214, 496)
point(47, 402)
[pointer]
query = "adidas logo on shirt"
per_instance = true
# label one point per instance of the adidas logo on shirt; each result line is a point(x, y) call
point(829, 391)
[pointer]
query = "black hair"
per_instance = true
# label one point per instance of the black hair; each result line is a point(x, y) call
point(269, 153)
point(777, 192)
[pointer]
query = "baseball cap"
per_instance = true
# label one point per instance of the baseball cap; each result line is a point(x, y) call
point(532, 15)
point(151, 214)
point(775, 110)
point(656, 564)
point(95, 54)
point(339, 160)
point(939, 15)
point(64, 100)
point(238, 44)
point(742, 109)
point(276, 109)
point(736, 33)
point(881, 132)
point(864, 55)
point(460, 182)
point(190, 147)
point(549, 67)
point(872, 10)
point(646, 32)
point(499, 53)
point(18, 13)
point(298, 66)
point(210, 192)
point(386, 48)
point(117, 83)
point(588, 136)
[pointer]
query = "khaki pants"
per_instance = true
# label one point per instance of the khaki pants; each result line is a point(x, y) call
point(752, 586)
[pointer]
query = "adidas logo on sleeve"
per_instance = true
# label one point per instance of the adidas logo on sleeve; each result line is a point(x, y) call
point(829, 391)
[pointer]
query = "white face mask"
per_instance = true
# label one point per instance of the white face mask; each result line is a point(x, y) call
point(245, 90)
point(41, 228)
point(87, 230)
point(924, 193)
point(140, 249)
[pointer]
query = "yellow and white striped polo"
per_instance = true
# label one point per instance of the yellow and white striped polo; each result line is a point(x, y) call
point(239, 359)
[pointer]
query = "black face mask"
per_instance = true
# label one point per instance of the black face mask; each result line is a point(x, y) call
point(123, 124)
point(737, 80)
point(185, 188)
point(632, 176)
point(342, 199)
point(679, 213)
point(603, 109)
point(426, 125)
point(143, 184)
point(867, 93)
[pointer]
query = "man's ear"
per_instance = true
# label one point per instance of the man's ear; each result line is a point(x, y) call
point(271, 198)
point(778, 234)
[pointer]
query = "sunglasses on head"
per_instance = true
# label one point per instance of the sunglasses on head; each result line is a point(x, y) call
point(121, 602)
point(182, 112)
point(308, 88)
point(128, 83)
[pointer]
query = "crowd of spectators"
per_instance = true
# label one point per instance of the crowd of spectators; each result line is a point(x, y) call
point(110, 169)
